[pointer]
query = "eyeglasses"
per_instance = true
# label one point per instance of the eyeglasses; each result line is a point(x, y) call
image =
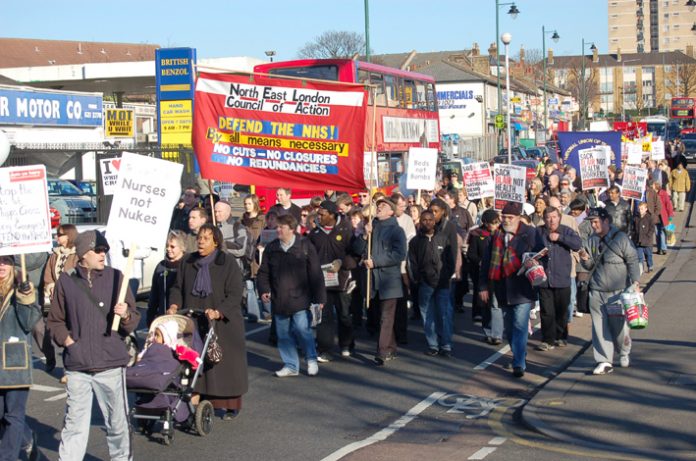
point(58, 234)
point(100, 249)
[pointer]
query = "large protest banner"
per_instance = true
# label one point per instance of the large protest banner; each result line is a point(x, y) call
point(280, 133)
point(25, 225)
point(634, 180)
point(478, 180)
point(509, 184)
point(593, 167)
point(421, 172)
point(571, 142)
point(146, 193)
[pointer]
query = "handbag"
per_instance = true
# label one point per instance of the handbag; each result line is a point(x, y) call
point(213, 354)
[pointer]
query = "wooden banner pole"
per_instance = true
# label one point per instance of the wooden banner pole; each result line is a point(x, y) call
point(373, 162)
point(128, 270)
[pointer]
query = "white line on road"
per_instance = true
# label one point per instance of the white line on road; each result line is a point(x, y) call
point(491, 360)
point(60, 396)
point(389, 430)
point(256, 330)
point(41, 388)
point(497, 441)
point(482, 453)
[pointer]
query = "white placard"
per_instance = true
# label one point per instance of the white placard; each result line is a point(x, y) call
point(109, 172)
point(146, 192)
point(370, 167)
point(478, 180)
point(25, 223)
point(634, 153)
point(594, 164)
point(658, 150)
point(510, 181)
point(330, 278)
point(633, 184)
point(421, 172)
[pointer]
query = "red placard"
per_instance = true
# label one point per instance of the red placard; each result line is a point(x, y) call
point(279, 133)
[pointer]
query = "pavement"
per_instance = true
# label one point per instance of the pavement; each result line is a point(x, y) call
point(646, 411)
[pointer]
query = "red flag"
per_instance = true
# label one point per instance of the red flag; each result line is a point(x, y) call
point(279, 133)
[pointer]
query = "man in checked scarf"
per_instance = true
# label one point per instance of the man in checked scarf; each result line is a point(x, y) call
point(500, 267)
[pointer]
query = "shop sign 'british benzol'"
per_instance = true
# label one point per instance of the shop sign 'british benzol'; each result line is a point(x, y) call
point(280, 133)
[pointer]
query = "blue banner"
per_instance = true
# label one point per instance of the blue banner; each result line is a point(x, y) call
point(571, 142)
point(26, 107)
point(175, 75)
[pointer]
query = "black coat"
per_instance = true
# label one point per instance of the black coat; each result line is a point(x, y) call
point(335, 245)
point(163, 280)
point(462, 219)
point(621, 215)
point(293, 278)
point(558, 262)
point(431, 259)
point(229, 377)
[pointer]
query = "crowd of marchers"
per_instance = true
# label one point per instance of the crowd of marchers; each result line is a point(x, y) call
point(319, 273)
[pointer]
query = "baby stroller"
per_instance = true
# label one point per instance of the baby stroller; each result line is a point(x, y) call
point(164, 388)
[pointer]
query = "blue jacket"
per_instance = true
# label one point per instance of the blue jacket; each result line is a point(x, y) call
point(388, 251)
point(558, 262)
point(18, 315)
point(515, 289)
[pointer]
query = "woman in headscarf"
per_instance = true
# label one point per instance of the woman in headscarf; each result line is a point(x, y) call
point(209, 287)
point(19, 311)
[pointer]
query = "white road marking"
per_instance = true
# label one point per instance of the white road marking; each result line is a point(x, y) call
point(41, 388)
point(389, 430)
point(482, 453)
point(60, 396)
point(497, 441)
point(256, 330)
point(504, 350)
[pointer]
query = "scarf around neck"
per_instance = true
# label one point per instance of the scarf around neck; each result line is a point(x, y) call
point(504, 259)
point(202, 285)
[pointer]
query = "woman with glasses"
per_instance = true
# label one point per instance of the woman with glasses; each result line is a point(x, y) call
point(63, 259)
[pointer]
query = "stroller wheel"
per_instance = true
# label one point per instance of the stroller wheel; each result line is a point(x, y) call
point(167, 439)
point(204, 418)
point(146, 427)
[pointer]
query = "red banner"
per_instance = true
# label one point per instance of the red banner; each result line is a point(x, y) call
point(279, 133)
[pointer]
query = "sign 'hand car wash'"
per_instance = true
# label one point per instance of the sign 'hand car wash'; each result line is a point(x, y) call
point(43, 107)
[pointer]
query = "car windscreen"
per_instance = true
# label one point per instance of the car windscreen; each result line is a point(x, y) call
point(59, 187)
point(327, 72)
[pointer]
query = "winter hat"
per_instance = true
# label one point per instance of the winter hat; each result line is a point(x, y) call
point(513, 208)
point(90, 240)
point(170, 332)
point(329, 206)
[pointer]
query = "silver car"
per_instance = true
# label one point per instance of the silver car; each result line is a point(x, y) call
point(74, 206)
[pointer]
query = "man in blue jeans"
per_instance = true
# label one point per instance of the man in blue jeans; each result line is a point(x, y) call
point(290, 278)
point(431, 265)
point(501, 266)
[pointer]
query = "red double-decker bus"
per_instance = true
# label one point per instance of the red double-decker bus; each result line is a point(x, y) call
point(683, 111)
point(406, 110)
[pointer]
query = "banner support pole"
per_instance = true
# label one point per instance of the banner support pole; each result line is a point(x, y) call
point(373, 161)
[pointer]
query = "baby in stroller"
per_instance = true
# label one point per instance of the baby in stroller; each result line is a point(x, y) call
point(164, 375)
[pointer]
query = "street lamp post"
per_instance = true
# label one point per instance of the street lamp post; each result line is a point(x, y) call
point(513, 12)
point(270, 54)
point(507, 38)
point(367, 30)
point(583, 89)
point(555, 38)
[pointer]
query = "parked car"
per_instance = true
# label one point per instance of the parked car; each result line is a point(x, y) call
point(520, 151)
point(689, 149)
point(536, 153)
point(73, 205)
point(87, 187)
point(145, 260)
point(504, 158)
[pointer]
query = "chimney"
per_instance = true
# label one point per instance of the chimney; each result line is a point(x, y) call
point(475, 50)
point(522, 55)
point(595, 56)
point(492, 49)
point(690, 51)
point(618, 55)
point(549, 57)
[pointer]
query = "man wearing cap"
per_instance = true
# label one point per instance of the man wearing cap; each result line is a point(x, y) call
point(94, 357)
point(332, 238)
point(613, 263)
point(388, 245)
point(501, 266)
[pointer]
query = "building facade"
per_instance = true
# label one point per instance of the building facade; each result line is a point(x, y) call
point(642, 26)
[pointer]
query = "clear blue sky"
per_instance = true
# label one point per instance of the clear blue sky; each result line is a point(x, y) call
point(248, 28)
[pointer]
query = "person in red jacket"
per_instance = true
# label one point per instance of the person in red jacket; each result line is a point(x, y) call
point(666, 214)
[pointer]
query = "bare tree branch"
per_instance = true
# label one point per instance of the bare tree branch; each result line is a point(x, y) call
point(333, 44)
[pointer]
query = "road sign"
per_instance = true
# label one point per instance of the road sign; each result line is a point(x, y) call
point(499, 121)
point(516, 99)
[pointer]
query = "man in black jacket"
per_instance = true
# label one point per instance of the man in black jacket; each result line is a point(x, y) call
point(290, 278)
point(94, 357)
point(431, 265)
point(554, 294)
point(619, 210)
point(332, 239)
